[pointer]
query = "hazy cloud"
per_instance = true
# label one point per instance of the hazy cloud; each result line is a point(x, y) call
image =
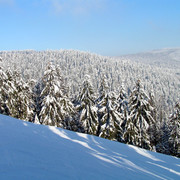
point(6, 2)
point(77, 6)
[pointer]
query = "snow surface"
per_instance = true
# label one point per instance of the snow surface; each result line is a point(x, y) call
point(32, 151)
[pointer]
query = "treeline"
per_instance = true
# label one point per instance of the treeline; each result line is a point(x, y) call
point(135, 119)
point(163, 81)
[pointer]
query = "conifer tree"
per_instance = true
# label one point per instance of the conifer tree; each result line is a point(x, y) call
point(154, 130)
point(103, 89)
point(4, 92)
point(12, 95)
point(20, 104)
point(174, 139)
point(67, 111)
point(131, 135)
point(122, 105)
point(15, 96)
point(56, 108)
point(87, 107)
point(140, 118)
point(36, 89)
point(111, 119)
point(162, 121)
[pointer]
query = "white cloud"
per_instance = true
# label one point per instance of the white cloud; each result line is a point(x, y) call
point(77, 6)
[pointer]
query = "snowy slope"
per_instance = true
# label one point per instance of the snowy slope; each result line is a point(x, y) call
point(31, 151)
point(168, 57)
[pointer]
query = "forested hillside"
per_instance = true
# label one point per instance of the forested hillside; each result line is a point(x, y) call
point(112, 98)
point(164, 82)
point(168, 57)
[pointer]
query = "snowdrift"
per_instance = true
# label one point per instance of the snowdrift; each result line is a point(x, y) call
point(31, 151)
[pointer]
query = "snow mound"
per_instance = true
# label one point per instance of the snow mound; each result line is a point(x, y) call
point(32, 151)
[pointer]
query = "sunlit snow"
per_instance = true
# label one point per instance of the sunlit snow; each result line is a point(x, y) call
point(33, 151)
point(145, 153)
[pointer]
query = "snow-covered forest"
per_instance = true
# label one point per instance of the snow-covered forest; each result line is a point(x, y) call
point(113, 98)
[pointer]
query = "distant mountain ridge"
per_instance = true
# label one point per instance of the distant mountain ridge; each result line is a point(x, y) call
point(168, 57)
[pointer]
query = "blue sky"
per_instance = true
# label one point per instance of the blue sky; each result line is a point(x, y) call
point(107, 27)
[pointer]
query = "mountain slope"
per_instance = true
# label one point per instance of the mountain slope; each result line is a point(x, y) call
point(31, 151)
point(168, 57)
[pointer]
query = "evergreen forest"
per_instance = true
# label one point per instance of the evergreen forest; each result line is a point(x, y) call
point(113, 98)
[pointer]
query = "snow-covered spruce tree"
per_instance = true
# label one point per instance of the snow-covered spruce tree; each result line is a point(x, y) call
point(87, 108)
point(103, 89)
point(5, 89)
point(56, 108)
point(161, 106)
point(154, 130)
point(162, 144)
point(122, 105)
point(67, 110)
point(20, 104)
point(36, 87)
point(140, 118)
point(174, 140)
point(130, 135)
point(11, 100)
point(111, 119)
point(15, 99)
